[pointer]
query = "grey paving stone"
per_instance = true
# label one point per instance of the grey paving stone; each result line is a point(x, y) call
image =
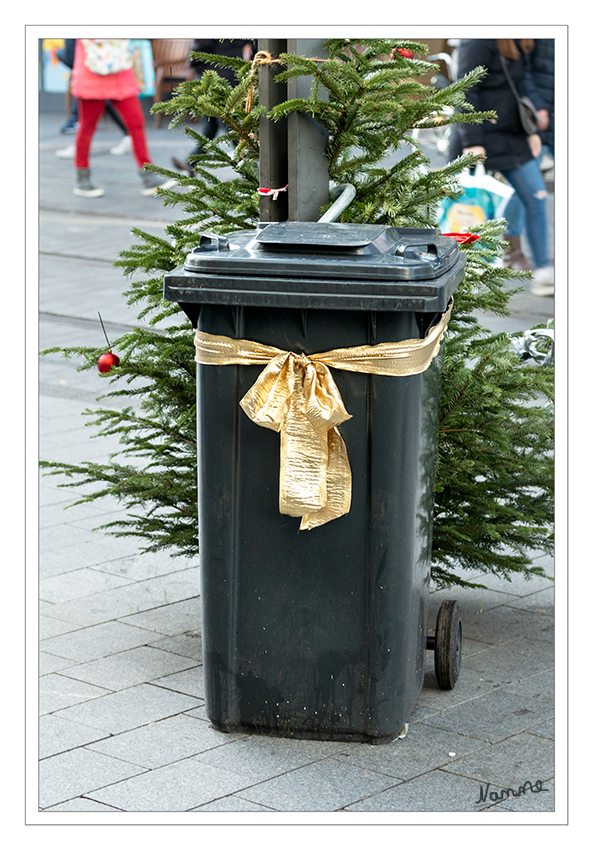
point(57, 514)
point(544, 730)
point(59, 448)
point(146, 565)
point(506, 623)
point(173, 619)
point(473, 647)
point(48, 426)
point(510, 763)
point(130, 667)
point(232, 804)
point(65, 409)
point(189, 644)
point(52, 663)
point(78, 772)
point(50, 626)
point(199, 712)
point(324, 786)
point(421, 712)
point(92, 553)
point(540, 686)
point(424, 748)
point(63, 536)
point(164, 741)
point(519, 658)
point(87, 644)
point(81, 804)
point(57, 691)
point(103, 238)
point(177, 787)
point(521, 585)
point(56, 735)
point(471, 600)
point(471, 684)
point(547, 562)
point(436, 791)
point(83, 440)
point(128, 709)
point(540, 602)
point(77, 583)
point(258, 758)
point(93, 522)
point(494, 717)
point(61, 500)
point(52, 496)
point(125, 601)
point(189, 682)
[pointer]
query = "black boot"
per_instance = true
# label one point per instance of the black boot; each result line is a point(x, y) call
point(180, 165)
point(514, 258)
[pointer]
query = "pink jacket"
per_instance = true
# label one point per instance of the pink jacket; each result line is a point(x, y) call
point(91, 86)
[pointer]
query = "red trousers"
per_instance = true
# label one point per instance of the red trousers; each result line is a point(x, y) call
point(89, 112)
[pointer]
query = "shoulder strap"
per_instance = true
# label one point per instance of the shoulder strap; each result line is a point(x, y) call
point(508, 76)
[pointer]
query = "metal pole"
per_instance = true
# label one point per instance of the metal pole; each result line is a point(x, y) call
point(273, 136)
point(308, 172)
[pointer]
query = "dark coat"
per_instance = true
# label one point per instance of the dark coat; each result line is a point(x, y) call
point(503, 138)
point(539, 82)
point(222, 47)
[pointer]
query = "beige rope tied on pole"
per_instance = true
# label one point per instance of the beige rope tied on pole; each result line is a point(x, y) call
point(262, 57)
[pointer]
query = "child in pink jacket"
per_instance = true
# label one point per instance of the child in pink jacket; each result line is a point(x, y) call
point(93, 90)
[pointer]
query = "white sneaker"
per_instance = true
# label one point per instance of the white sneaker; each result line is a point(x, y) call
point(153, 181)
point(66, 153)
point(125, 146)
point(84, 186)
point(543, 281)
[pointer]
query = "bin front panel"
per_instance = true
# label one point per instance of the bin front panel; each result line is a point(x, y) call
point(317, 633)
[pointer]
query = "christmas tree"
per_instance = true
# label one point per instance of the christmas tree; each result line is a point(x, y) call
point(494, 487)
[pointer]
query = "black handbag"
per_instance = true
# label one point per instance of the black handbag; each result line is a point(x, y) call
point(527, 111)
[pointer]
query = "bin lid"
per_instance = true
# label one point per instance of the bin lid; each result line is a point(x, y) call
point(327, 250)
point(321, 266)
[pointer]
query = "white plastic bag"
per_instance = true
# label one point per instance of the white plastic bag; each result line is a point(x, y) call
point(484, 197)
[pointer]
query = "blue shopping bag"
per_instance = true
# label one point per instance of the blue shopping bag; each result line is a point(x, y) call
point(143, 66)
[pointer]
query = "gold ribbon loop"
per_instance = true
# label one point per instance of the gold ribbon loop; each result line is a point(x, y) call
point(297, 396)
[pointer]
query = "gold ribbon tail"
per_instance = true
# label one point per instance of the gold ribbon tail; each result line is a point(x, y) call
point(301, 400)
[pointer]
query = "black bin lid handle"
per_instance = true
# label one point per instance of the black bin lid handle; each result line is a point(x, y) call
point(213, 242)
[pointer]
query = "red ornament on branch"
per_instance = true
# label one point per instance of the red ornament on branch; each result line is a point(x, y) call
point(107, 360)
point(403, 51)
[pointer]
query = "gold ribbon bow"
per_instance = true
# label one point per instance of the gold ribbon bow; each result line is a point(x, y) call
point(296, 395)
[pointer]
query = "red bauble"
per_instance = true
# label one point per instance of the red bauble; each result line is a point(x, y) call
point(403, 51)
point(106, 361)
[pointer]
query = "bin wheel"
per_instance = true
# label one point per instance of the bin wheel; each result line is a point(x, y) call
point(447, 645)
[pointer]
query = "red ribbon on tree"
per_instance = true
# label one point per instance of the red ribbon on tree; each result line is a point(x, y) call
point(463, 238)
point(273, 192)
